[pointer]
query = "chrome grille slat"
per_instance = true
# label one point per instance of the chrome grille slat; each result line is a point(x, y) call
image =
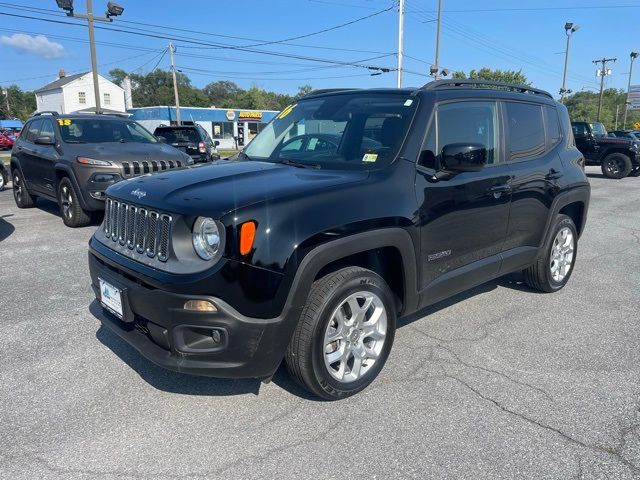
point(135, 168)
point(139, 229)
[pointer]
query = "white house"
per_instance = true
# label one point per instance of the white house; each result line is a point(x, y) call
point(74, 93)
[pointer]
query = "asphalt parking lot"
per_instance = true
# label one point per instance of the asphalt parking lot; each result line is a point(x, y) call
point(499, 382)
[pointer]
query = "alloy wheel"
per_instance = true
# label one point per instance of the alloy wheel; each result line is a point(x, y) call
point(355, 336)
point(17, 187)
point(562, 254)
point(615, 166)
point(66, 200)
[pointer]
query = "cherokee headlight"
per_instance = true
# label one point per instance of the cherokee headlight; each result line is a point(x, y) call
point(634, 146)
point(207, 237)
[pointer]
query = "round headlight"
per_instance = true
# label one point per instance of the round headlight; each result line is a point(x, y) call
point(206, 238)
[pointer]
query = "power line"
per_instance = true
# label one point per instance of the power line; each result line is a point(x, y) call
point(55, 13)
point(163, 36)
point(529, 9)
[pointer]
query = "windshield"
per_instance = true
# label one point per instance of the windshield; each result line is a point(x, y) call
point(102, 130)
point(359, 131)
point(598, 129)
point(178, 135)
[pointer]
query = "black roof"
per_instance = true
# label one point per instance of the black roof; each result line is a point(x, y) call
point(60, 82)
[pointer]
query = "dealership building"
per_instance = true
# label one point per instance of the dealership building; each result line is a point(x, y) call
point(228, 126)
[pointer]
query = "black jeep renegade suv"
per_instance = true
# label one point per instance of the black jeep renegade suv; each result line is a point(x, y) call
point(73, 158)
point(227, 269)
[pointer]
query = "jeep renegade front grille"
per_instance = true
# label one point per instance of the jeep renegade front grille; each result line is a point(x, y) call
point(145, 231)
point(132, 169)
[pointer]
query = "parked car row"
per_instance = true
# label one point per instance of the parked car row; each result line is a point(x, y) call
point(351, 209)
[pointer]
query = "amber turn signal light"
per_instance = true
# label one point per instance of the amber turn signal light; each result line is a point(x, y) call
point(200, 306)
point(247, 235)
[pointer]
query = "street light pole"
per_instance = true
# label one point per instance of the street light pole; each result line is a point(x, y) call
point(400, 41)
point(172, 49)
point(94, 61)
point(437, 65)
point(569, 28)
point(603, 73)
point(113, 10)
point(626, 106)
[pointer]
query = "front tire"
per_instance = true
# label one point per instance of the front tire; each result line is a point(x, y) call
point(21, 195)
point(552, 272)
point(616, 165)
point(72, 212)
point(344, 335)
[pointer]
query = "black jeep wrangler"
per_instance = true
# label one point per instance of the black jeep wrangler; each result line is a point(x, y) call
point(227, 269)
point(73, 158)
point(618, 157)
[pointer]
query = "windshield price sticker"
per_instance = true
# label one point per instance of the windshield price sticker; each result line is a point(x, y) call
point(286, 111)
point(370, 157)
point(64, 122)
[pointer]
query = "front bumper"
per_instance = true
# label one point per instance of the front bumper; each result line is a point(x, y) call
point(220, 344)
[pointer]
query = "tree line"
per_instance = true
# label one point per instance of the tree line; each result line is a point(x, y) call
point(156, 88)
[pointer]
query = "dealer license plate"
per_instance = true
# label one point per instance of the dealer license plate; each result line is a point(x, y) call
point(111, 298)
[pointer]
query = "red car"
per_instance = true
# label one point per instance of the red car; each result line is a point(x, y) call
point(5, 142)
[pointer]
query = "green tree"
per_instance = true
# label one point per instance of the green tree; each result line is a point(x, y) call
point(221, 93)
point(583, 106)
point(508, 76)
point(17, 103)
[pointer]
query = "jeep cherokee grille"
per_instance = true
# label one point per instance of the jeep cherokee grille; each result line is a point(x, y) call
point(138, 228)
point(132, 169)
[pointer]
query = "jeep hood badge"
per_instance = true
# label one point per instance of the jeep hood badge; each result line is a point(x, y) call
point(138, 193)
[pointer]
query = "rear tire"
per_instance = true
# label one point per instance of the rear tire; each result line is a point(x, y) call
point(616, 165)
point(3, 180)
point(21, 195)
point(344, 335)
point(72, 213)
point(552, 272)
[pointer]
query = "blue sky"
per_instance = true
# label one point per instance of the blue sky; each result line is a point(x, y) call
point(527, 35)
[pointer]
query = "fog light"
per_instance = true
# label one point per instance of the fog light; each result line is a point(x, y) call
point(200, 306)
point(215, 335)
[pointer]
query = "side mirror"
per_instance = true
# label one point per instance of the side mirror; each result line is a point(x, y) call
point(463, 157)
point(216, 143)
point(161, 139)
point(45, 140)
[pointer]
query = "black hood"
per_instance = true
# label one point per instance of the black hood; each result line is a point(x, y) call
point(128, 152)
point(215, 189)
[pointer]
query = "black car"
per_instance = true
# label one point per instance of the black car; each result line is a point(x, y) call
point(226, 270)
point(617, 157)
point(191, 139)
point(633, 135)
point(72, 159)
point(4, 176)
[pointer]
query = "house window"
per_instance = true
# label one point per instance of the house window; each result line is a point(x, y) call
point(107, 99)
point(82, 98)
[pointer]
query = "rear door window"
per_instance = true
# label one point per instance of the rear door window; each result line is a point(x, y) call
point(526, 131)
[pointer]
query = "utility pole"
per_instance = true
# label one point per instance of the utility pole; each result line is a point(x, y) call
point(113, 10)
point(400, 41)
point(172, 49)
point(626, 106)
point(5, 91)
point(437, 65)
point(603, 72)
point(569, 28)
point(617, 112)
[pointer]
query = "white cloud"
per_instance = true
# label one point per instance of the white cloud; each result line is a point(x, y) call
point(37, 45)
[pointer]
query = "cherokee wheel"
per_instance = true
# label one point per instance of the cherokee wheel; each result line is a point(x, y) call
point(552, 272)
point(21, 195)
point(616, 165)
point(344, 335)
point(72, 213)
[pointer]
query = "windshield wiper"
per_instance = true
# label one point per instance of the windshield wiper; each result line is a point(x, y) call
point(293, 163)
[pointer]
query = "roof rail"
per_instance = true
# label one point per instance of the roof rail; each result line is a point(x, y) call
point(328, 90)
point(477, 83)
point(47, 112)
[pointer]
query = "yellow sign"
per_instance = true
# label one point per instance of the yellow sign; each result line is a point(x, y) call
point(636, 126)
point(250, 117)
point(64, 122)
